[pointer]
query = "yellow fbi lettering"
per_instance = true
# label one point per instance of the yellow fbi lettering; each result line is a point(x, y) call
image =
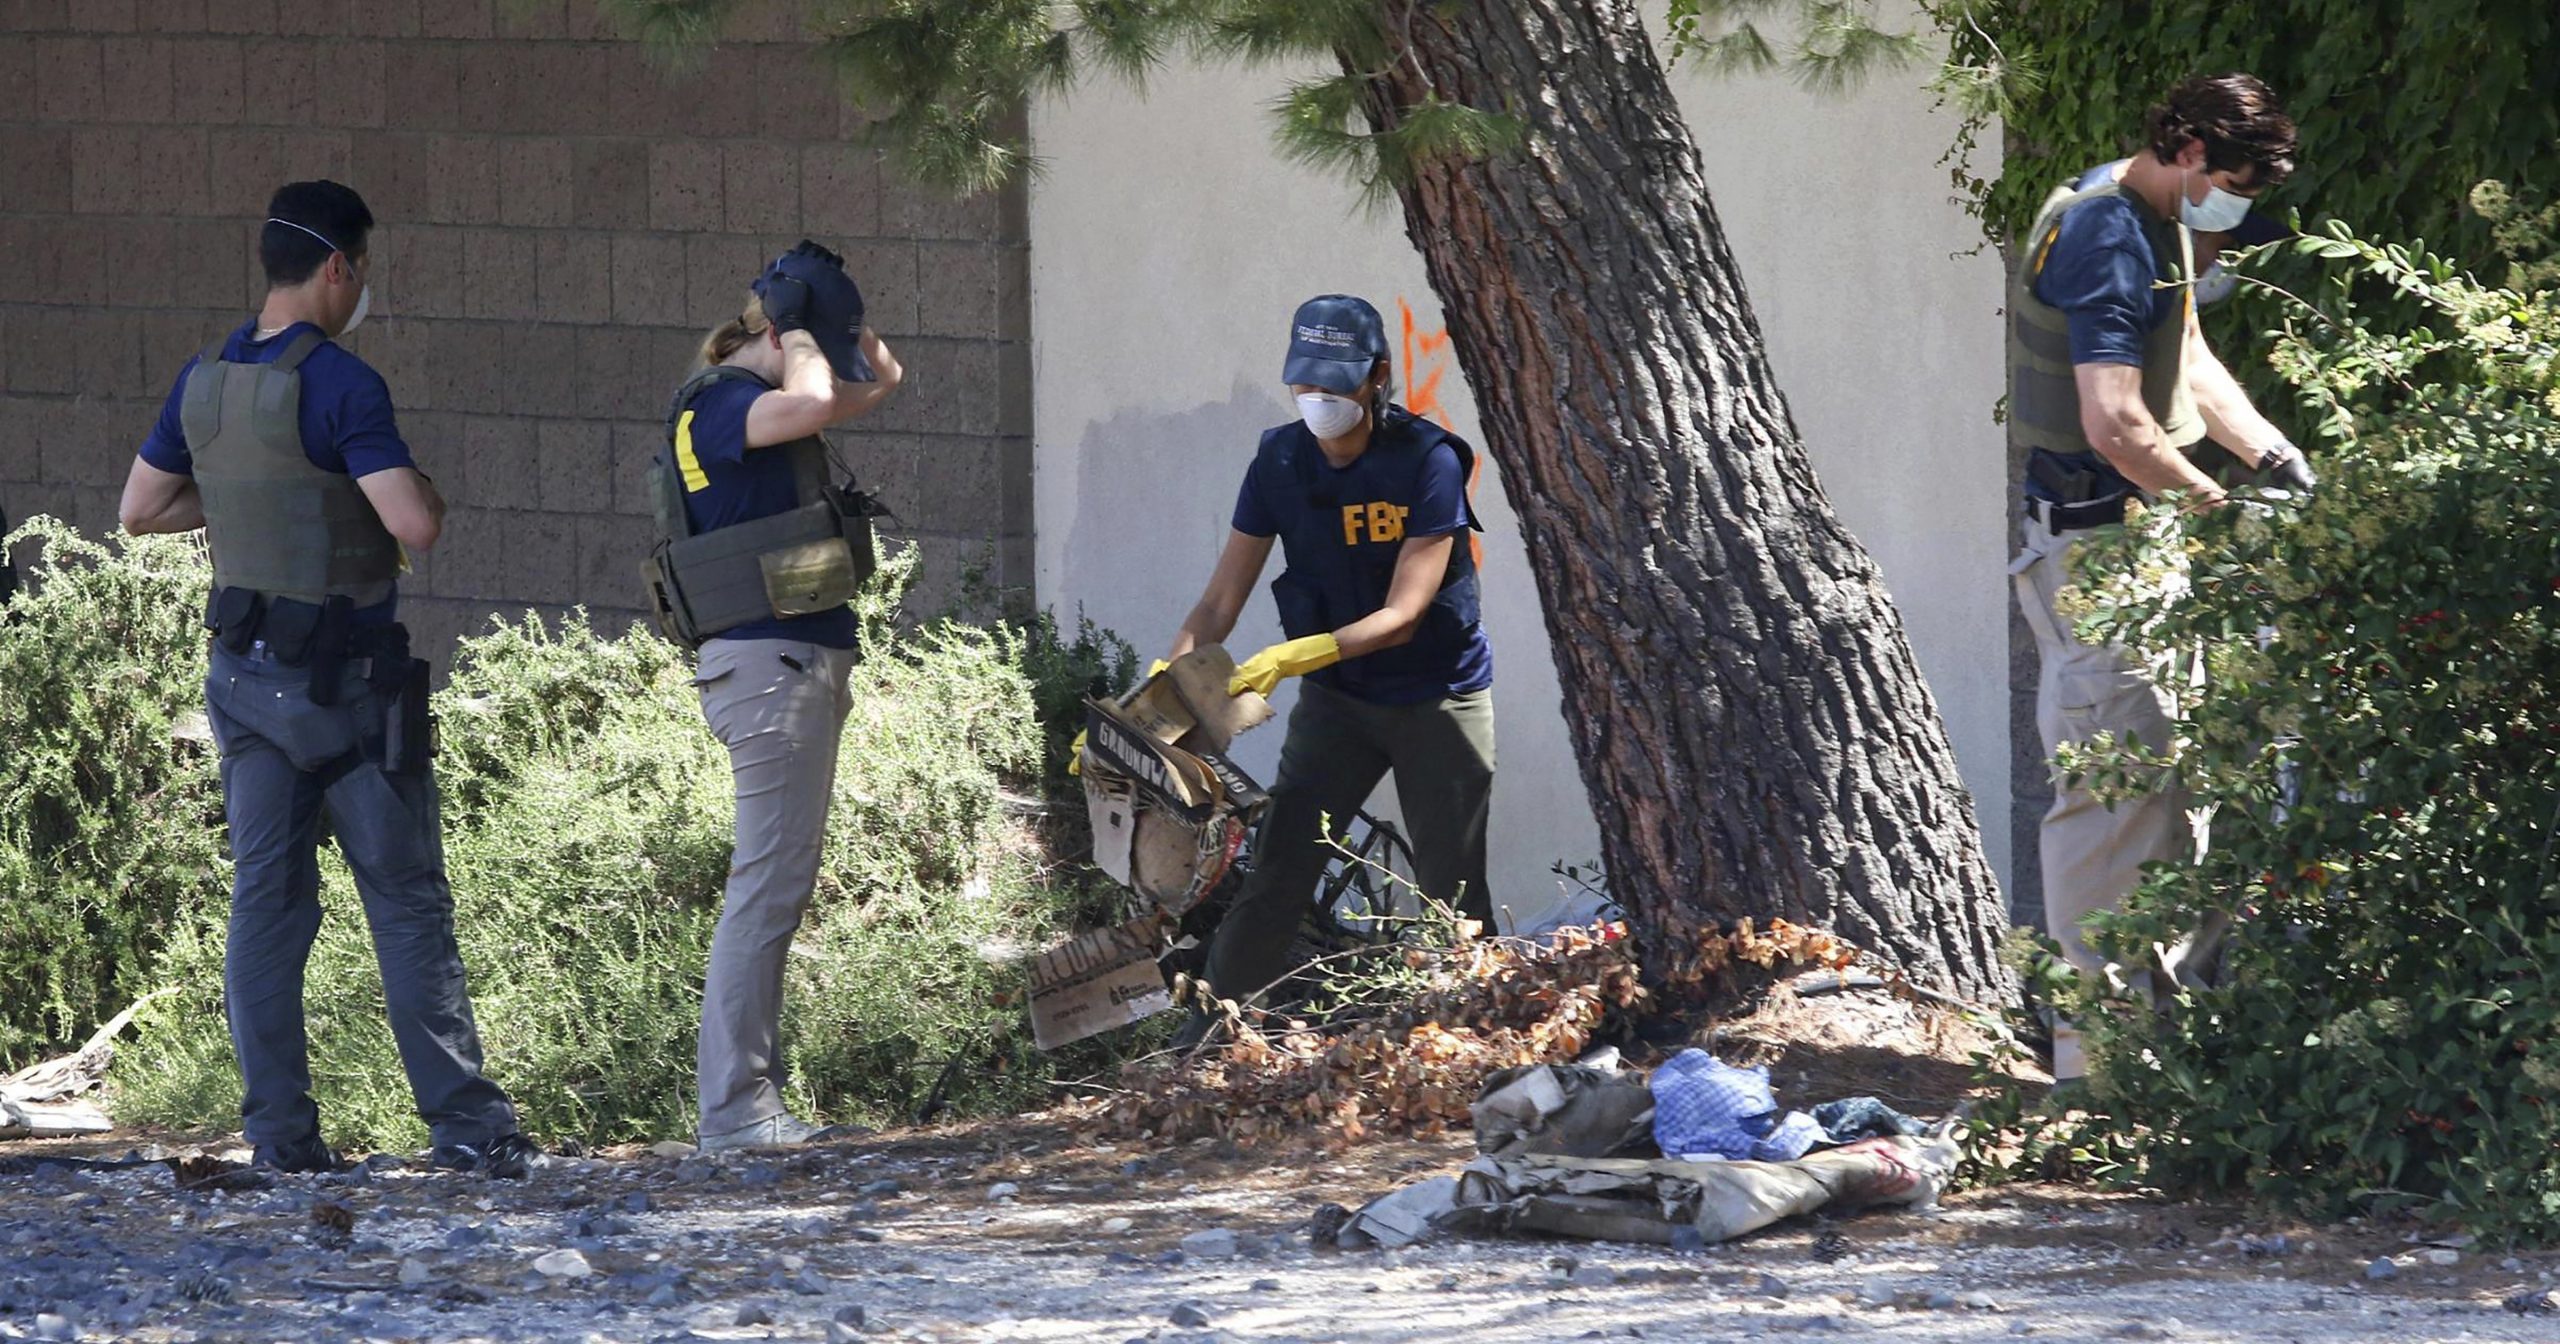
point(1381, 520)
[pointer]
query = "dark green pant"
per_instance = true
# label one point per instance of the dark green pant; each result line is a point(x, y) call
point(1338, 749)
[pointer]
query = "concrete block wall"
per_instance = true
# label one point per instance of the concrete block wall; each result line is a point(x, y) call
point(559, 221)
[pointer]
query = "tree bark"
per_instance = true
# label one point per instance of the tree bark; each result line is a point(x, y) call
point(1751, 727)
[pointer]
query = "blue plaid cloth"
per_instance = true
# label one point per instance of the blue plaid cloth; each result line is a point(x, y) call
point(1704, 1107)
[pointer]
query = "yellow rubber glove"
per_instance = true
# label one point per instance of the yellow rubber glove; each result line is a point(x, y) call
point(1292, 658)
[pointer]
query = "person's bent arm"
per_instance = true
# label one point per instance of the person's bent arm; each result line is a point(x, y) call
point(2120, 427)
point(410, 506)
point(158, 501)
point(1213, 618)
point(855, 400)
point(803, 405)
point(2228, 414)
point(1421, 566)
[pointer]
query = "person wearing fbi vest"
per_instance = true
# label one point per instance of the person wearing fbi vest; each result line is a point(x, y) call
point(759, 550)
point(2111, 387)
point(1378, 601)
point(281, 445)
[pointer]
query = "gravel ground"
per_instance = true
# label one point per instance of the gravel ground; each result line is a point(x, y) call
point(1026, 1233)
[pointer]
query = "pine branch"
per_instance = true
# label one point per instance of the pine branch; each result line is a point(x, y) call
point(1839, 43)
point(674, 31)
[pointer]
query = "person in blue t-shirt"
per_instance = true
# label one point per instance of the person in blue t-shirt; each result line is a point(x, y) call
point(744, 449)
point(281, 445)
point(1378, 601)
point(2111, 387)
point(2214, 281)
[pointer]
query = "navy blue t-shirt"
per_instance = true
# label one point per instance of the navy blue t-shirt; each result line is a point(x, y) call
point(1372, 505)
point(726, 482)
point(2110, 283)
point(346, 419)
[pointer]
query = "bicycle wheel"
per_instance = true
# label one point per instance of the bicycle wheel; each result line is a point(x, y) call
point(1367, 894)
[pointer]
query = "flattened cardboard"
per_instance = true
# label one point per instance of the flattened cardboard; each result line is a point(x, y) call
point(1097, 981)
point(1113, 811)
point(1200, 678)
point(1158, 768)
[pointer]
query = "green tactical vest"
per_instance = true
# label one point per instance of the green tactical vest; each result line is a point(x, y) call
point(810, 558)
point(277, 523)
point(2044, 402)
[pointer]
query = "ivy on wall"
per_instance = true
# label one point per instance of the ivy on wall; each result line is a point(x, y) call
point(2403, 104)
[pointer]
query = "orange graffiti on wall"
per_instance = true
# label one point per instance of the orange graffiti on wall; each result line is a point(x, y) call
point(1426, 360)
point(1425, 363)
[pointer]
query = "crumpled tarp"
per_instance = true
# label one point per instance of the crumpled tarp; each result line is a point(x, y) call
point(1574, 1110)
point(1636, 1200)
point(1568, 1150)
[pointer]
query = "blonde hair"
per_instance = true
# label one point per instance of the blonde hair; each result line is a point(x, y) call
point(733, 335)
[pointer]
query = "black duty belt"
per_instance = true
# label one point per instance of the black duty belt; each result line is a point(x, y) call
point(2058, 517)
point(320, 636)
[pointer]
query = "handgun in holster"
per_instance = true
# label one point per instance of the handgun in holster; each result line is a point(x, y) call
point(2070, 491)
point(408, 729)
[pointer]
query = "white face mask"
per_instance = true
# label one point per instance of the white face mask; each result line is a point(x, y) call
point(1329, 416)
point(364, 304)
point(2219, 212)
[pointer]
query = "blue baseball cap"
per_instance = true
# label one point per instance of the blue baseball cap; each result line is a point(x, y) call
point(835, 307)
point(1334, 341)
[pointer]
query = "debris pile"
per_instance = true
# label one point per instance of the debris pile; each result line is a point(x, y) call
point(1485, 1005)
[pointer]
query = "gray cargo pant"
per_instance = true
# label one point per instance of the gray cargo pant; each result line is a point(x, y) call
point(1338, 749)
point(284, 761)
point(779, 706)
point(2093, 852)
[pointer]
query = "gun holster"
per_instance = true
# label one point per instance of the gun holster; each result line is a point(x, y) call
point(2070, 491)
point(408, 728)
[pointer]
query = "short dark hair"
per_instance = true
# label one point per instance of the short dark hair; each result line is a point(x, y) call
point(312, 211)
point(2238, 119)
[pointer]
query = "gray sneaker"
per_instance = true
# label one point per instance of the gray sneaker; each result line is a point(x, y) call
point(782, 1130)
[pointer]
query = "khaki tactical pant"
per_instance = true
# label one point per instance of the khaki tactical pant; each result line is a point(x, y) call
point(2093, 852)
point(779, 706)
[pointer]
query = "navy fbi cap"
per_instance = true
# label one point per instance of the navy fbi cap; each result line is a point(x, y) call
point(835, 307)
point(1333, 343)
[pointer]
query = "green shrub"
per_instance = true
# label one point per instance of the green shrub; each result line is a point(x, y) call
point(1064, 672)
point(2382, 765)
point(109, 820)
point(587, 835)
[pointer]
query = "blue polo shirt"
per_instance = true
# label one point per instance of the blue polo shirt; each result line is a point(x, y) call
point(742, 484)
point(2110, 283)
point(346, 420)
point(1341, 529)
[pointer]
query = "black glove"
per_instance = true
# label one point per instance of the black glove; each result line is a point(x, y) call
point(2283, 467)
point(786, 303)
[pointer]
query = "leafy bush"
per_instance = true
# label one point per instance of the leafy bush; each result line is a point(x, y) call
point(108, 819)
point(587, 834)
point(2377, 739)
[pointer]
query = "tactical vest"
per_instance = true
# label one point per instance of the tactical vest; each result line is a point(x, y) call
point(810, 558)
point(1312, 604)
point(2044, 401)
point(278, 525)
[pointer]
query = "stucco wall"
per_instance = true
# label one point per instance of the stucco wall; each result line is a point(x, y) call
point(1169, 244)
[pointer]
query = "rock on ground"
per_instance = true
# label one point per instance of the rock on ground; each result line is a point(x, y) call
point(895, 1239)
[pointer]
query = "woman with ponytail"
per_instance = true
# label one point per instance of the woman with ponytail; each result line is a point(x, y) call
point(743, 452)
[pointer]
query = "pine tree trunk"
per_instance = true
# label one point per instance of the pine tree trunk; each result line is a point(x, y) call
point(1754, 734)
